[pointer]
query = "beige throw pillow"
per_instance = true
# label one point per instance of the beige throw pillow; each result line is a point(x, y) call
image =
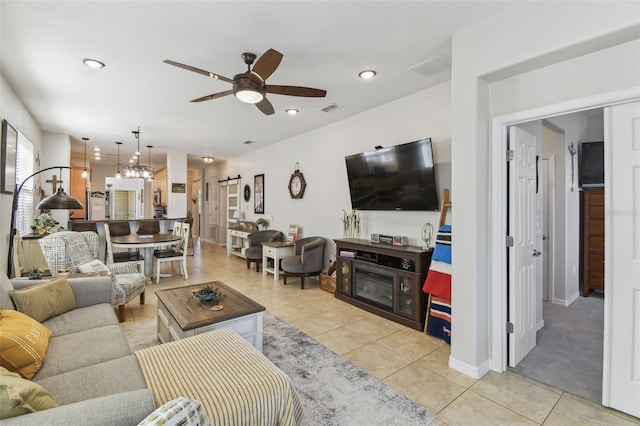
point(43, 301)
point(20, 396)
point(23, 343)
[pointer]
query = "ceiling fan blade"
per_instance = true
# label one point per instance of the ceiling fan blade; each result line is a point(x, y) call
point(198, 70)
point(213, 96)
point(267, 63)
point(265, 106)
point(296, 91)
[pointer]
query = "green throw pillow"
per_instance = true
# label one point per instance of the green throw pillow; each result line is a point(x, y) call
point(20, 396)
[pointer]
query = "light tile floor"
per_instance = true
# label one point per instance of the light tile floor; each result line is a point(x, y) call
point(407, 360)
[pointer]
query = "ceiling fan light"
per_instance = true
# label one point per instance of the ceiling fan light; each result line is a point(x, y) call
point(249, 96)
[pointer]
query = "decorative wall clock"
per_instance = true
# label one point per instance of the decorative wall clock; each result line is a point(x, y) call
point(247, 192)
point(297, 184)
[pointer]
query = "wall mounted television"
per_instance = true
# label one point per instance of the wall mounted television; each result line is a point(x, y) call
point(591, 164)
point(400, 177)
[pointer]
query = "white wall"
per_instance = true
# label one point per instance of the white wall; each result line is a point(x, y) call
point(14, 111)
point(56, 151)
point(481, 54)
point(320, 154)
point(176, 173)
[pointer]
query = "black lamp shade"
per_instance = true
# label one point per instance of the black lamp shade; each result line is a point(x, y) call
point(59, 201)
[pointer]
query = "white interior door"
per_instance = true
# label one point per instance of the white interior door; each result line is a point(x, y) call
point(621, 378)
point(523, 253)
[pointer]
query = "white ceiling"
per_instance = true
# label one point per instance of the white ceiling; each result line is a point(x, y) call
point(325, 44)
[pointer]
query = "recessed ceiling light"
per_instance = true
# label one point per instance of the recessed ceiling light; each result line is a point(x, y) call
point(292, 111)
point(131, 161)
point(93, 63)
point(97, 148)
point(207, 159)
point(247, 142)
point(368, 74)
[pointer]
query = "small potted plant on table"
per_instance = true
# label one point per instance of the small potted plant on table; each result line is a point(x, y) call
point(207, 293)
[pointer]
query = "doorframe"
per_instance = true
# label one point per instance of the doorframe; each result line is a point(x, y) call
point(551, 219)
point(498, 225)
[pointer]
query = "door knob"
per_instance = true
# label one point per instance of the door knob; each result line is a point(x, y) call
point(536, 253)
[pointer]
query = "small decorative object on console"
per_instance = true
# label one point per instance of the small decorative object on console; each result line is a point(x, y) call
point(351, 224)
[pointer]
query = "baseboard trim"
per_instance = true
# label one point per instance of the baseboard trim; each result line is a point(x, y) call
point(473, 371)
point(540, 325)
point(566, 302)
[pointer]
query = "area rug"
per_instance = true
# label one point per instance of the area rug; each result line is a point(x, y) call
point(568, 352)
point(333, 391)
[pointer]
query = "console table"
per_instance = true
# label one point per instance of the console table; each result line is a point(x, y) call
point(383, 279)
point(237, 242)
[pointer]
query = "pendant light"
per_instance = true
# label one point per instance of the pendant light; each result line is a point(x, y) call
point(137, 170)
point(150, 177)
point(85, 172)
point(118, 175)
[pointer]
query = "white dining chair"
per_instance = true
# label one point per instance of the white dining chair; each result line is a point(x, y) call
point(179, 255)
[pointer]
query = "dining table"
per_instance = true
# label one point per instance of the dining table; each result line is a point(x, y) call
point(148, 243)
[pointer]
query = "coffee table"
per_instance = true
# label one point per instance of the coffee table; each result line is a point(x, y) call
point(181, 314)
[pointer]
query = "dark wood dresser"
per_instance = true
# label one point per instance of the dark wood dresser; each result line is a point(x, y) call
point(593, 240)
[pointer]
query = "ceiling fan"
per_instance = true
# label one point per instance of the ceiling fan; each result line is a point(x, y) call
point(250, 86)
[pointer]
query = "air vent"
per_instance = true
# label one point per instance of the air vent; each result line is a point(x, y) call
point(329, 108)
point(247, 142)
point(431, 66)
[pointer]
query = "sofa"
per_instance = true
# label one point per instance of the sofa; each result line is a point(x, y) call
point(89, 373)
point(87, 369)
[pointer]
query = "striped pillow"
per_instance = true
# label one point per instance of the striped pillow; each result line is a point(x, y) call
point(180, 411)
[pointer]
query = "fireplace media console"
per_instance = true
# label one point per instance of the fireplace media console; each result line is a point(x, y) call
point(383, 279)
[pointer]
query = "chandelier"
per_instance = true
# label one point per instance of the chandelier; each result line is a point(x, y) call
point(137, 170)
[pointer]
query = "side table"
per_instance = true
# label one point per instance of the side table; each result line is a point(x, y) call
point(272, 254)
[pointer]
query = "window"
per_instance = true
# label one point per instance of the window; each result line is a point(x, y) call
point(24, 169)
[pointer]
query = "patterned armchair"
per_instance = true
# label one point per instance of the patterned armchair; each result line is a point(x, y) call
point(69, 250)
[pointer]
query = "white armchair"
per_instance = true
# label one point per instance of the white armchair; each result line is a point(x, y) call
point(69, 250)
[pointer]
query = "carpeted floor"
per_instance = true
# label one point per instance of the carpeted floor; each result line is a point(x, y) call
point(568, 352)
point(333, 390)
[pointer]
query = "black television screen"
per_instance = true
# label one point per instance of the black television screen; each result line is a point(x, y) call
point(591, 164)
point(400, 177)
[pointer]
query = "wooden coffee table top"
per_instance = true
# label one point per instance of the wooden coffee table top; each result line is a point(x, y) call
point(189, 312)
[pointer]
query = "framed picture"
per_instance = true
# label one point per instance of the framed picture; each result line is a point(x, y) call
point(258, 194)
point(179, 188)
point(9, 155)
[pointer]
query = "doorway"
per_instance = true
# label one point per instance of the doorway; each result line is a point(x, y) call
point(566, 353)
point(124, 205)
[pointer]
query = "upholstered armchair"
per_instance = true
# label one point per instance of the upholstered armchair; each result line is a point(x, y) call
point(308, 260)
point(253, 253)
point(75, 250)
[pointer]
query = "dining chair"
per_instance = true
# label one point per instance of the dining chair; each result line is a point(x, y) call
point(189, 221)
point(125, 256)
point(177, 256)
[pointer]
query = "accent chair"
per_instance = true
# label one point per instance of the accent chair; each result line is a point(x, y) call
point(307, 261)
point(253, 253)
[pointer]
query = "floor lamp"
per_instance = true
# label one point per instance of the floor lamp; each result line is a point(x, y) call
point(58, 201)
